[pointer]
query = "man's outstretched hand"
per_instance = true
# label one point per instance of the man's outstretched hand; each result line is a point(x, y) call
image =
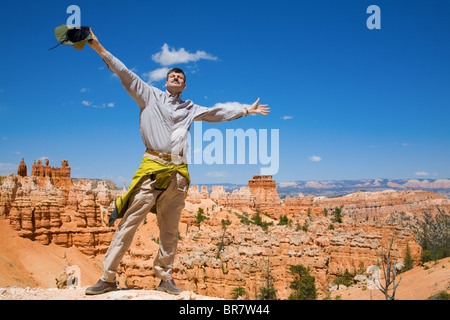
point(257, 108)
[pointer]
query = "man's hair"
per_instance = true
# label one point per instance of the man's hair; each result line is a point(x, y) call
point(176, 70)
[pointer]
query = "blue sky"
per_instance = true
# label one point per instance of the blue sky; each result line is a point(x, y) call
point(348, 102)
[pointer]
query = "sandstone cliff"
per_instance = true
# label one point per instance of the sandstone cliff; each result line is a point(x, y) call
point(70, 213)
point(73, 213)
point(249, 251)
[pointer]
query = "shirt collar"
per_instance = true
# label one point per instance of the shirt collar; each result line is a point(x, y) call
point(174, 97)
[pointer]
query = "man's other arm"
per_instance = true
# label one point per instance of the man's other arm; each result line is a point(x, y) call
point(223, 112)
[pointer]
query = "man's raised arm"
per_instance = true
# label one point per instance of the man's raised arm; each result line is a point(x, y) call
point(95, 44)
point(138, 89)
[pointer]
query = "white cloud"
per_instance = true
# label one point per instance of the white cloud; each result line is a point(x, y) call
point(156, 75)
point(315, 158)
point(7, 168)
point(169, 56)
point(421, 173)
point(103, 105)
point(406, 144)
point(286, 117)
point(217, 174)
point(84, 89)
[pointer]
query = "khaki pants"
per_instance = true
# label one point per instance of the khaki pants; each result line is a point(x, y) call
point(168, 207)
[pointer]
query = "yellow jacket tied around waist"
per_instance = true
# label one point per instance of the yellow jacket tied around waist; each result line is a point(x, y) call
point(156, 171)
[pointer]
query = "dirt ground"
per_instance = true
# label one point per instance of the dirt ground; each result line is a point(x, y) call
point(18, 293)
point(419, 283)
point(28, 271)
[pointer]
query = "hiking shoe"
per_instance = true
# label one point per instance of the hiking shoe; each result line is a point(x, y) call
point(101, 287)
point(169, 286)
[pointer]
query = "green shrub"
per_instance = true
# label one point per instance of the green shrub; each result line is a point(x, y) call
point(303, 285)
point(440, 296)
point(200, 217)
point(238, 292)
point(346, 279)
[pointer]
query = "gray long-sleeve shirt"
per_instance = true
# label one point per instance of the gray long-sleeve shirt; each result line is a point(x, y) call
point(165, 119)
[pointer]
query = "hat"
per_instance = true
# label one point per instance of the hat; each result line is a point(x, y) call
point(74, 36)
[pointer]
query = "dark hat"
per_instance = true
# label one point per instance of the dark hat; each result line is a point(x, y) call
point(74, 36)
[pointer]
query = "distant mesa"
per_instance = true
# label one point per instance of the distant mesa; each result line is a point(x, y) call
point(40, 170)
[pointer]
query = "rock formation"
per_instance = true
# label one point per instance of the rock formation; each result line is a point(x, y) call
point(370, 204)
point(265, 191)
point(261, 195)
point(249, 250)
point(59, 210)
point(22, 169)
point(240, 199)
point(309, 240)
point(50, 207)
point(39, 170)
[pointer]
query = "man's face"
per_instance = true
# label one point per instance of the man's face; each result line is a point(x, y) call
point(175, 83)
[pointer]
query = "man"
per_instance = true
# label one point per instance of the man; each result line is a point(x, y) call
point(162, 181)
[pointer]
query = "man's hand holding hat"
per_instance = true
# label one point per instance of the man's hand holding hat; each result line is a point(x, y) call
point(73, 36)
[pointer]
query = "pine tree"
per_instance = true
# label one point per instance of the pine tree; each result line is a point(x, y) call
point(256, 219)
point(221, 245)
point(200, 217)
point(284, 220)
point(238, 292)
point(408, 262)
point(303, 285)
point(426, 255)
point(338, 215)
point(433, 235)
point(267, 292)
